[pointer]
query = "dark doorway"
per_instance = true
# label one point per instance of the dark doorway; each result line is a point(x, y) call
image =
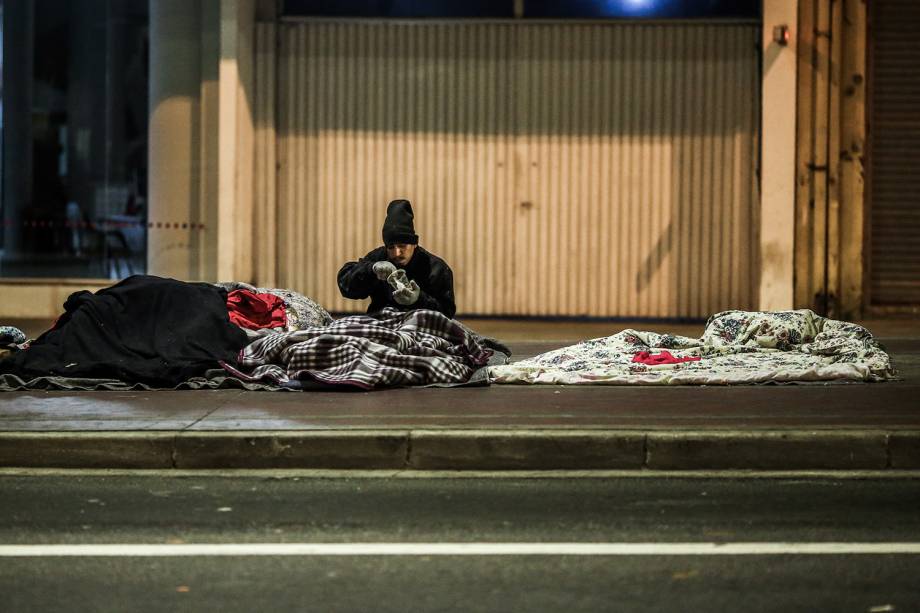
point(894, 153)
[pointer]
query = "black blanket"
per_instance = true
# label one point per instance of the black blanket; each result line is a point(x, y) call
point(145, 329)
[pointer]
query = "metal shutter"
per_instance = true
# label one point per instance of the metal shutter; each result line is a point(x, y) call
point(894, 155)
point(601, 170)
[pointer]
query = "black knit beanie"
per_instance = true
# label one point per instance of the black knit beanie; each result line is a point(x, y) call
point(398, 227)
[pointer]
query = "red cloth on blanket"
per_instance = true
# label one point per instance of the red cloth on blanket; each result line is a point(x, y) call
point(252, 310)
point(665, 357)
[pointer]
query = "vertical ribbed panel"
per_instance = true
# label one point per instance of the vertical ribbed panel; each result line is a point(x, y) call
point(603, 170)
point(265, 202)
point(895, 153)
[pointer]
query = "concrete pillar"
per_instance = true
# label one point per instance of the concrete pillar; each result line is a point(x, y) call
point(201, 139)
point(204, 244)
point(778, 149)
point(174, 175)
point(18, 54)
point(235, 163)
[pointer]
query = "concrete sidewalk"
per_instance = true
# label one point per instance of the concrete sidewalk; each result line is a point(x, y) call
point(788, 427)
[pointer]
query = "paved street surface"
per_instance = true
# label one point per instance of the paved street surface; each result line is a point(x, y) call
point(422, 511)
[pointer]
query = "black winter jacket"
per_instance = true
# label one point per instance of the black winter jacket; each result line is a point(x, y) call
point(434, 277)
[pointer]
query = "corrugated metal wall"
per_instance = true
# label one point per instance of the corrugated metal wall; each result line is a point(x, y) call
point(604, 170)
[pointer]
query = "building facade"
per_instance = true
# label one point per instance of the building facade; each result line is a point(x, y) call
point(564, 166)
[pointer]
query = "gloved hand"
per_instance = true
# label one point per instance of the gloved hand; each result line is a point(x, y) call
point(398, 279)
point(384, 269)
point(408, 294)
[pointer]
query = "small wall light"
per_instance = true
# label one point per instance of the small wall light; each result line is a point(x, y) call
point(781, 35)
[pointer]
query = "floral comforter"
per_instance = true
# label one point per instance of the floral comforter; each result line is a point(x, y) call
point(736, 347)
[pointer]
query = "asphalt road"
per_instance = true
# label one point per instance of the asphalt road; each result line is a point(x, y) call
point(272, 509)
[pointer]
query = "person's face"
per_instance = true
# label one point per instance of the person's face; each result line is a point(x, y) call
point(400, 253)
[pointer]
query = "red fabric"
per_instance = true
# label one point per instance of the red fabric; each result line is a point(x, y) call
point(251, 310)
point(665, 357)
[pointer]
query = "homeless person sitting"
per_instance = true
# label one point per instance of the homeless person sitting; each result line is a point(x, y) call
point(400, 274)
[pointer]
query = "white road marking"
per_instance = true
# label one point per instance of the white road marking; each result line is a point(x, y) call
point(454, 549)
point(320, 473)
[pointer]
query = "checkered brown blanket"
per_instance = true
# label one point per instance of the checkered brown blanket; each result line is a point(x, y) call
point(389, 348)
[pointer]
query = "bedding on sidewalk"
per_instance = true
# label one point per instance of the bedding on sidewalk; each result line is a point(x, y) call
point(299, 311)
point(736, 347)
point(384, 349)
point(255, 310)
point(148, 330)
point(152, 333)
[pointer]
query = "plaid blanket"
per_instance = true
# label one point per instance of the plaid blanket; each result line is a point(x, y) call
point(389, 348)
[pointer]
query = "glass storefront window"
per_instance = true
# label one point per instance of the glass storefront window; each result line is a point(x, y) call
point(73, 119)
